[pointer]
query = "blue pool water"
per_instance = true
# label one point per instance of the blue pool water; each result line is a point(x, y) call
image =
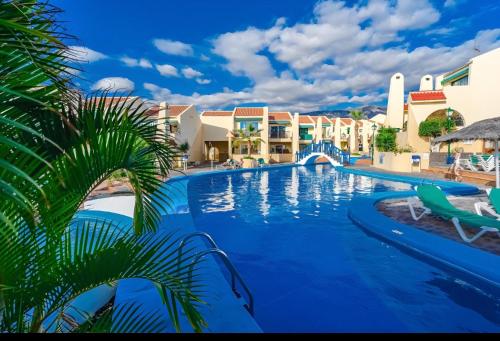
point(311, 269)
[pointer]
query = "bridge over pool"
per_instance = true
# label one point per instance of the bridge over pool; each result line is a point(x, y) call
point(326, 150)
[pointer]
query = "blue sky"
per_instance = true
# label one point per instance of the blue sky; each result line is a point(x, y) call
point(294, 55)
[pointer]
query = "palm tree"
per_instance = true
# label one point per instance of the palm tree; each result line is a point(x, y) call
point(250, 137)
point(56, 146)
point(356, 115)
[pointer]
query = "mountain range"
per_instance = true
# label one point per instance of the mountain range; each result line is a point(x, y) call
point(369, 111)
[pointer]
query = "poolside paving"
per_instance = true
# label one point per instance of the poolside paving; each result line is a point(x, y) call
point(398, 210)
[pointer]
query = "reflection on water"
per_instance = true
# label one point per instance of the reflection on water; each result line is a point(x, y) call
point(292, 188)
point(264, 192)
point(263, 218)
point(224, 200)
point(319, 180)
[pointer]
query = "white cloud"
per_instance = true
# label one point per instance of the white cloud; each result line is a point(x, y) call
point(191, 73)
point(132, 62)
point(203, 81)
point(344, 54)
point(441, 31)
point(204, 58)
point(172, 47)
point(83, 54)
point(167, 70)
point(241, 49)
point(114, 84)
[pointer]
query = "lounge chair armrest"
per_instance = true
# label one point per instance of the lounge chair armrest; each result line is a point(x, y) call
point(484, 206)
point(412, 201)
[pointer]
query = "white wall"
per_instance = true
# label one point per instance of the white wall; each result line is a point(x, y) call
point(395, 102)
point(191, 132)
point(426, 83)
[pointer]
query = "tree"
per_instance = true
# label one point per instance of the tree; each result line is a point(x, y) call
point(250, 137)
point(434, 127)
point(56, 146)
point(386, 140)
point(356, 115)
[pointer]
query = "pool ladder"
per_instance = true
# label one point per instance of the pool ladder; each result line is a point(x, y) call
point(229, 265)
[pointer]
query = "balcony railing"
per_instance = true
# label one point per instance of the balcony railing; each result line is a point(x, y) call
point(306, 137)
point(279, 135)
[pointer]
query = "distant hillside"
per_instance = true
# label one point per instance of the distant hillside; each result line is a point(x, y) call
point(369, 111)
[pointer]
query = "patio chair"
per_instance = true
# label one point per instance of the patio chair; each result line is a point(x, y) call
point(469, 164)
point(493, 207)
point(435, 202)
point(487, 162)
point(226, 165)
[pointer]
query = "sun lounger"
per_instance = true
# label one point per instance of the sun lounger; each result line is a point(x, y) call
point(468, 164)
point(487, 163)
point(229, 164)
point(435, 202)
point(493, 207)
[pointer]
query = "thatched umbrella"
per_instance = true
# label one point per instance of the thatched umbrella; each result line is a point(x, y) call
point(483, 130)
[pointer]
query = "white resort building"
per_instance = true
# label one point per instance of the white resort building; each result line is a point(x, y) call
point(467, 94)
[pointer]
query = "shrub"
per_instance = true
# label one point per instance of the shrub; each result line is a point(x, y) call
point(404, 149)
point(386, 140)
point(434, 127)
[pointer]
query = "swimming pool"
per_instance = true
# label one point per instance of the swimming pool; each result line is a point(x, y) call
point(311, 269)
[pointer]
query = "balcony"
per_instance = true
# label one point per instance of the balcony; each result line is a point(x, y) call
point(306, 137)
point(280, 136)
point(281, 157)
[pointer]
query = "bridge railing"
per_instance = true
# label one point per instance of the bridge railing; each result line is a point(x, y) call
point(327, 148)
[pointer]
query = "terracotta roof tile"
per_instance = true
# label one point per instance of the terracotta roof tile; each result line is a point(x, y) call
point(111, 100)
point(346, 121)
point(153, 111)
point(406, 107)
point(250, 112)
point(326, 120)
point(217, 113)
point(280, 116)
point(176, 110)
point(305, 120)
point(418, 96)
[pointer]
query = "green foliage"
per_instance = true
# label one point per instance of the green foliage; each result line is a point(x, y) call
point(434, 127)
point(56, 146)
point(250, 137)
point(357, 115)
point(183, 147)
point(385, 140)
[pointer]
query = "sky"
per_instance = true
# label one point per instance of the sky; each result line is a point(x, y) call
point(293, 55)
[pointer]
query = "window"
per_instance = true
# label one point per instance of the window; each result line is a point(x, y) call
point(468, 141)
point(244, 149)
point(461, 82)
point(173, 128)
point(246, 124)
point(278, 132)
point(279, 149)
point(303, 131)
